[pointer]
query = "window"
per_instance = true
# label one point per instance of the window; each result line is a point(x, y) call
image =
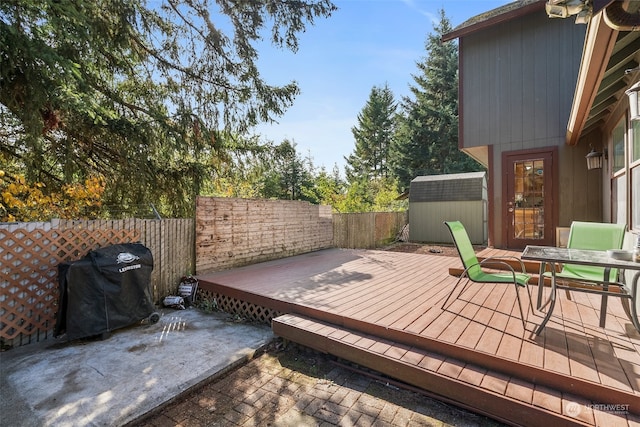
point(529, 199)
point(635, 198)
point(619, 198)
point(618, 146)
point(635, 129)
point(635, 175)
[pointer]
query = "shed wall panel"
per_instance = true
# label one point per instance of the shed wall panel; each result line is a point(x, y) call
point(426, 220)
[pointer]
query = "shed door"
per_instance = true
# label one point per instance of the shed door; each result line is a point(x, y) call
point(529, 199)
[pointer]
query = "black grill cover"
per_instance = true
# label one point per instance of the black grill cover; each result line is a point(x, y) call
point(106, 290)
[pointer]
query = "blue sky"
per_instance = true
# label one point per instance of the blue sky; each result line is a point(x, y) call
point(366, 43)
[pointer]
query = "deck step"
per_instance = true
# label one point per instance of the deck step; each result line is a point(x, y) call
point(493, 394)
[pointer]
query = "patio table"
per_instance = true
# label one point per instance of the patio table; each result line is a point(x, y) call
point(554, 256)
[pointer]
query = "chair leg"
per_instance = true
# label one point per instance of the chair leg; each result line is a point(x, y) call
point(452, 292)
point(524, 324)
point(464, 288)
point(530, 302)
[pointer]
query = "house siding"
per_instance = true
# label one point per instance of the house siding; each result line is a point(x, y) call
point(518, 81)
point(517, 84)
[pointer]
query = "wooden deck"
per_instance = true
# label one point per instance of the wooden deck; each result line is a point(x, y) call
point(382, 310)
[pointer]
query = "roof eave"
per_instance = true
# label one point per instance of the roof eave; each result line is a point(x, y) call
point(599, 43)
point(465, 30)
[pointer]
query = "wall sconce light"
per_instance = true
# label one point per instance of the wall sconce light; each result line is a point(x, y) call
point(634, 101)
point(594, 159)
point(583, 17)
point(582, 9)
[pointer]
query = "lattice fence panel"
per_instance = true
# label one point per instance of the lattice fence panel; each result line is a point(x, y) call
point(29, 266)
point(238, 307)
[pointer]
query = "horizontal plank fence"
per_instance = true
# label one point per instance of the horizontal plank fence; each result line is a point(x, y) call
point(367, 230)
point(231, 232)
point(30, 254)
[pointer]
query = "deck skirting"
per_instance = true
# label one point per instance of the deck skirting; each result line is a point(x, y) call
point(237, 307)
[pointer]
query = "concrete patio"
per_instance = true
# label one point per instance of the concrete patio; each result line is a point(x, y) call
point(119, 379)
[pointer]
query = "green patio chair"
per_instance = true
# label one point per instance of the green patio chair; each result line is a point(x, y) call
point(474, 272)
point(591, 236)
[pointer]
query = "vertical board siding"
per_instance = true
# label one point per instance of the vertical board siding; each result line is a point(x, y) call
point(517, 91)
point(426, 220)
point(367, 230)
point(25, 320)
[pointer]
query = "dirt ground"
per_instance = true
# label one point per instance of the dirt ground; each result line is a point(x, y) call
point(431, 249)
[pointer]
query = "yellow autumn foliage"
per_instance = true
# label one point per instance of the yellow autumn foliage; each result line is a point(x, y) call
point(23, 201)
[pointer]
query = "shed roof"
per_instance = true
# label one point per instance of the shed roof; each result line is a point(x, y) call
point(448, 187)
point(449, 176)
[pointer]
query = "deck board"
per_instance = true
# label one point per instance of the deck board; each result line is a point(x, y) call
point(519, 390)
point(397, 298)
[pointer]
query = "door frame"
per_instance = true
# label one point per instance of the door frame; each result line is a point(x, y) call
point(551, 208)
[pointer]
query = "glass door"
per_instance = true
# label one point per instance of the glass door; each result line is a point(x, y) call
point(529, 218)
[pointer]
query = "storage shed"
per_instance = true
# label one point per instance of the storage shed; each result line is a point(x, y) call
point(434, 199)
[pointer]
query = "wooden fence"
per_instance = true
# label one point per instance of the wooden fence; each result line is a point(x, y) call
point(367, 230)
point(31, 252)
point(230, 232)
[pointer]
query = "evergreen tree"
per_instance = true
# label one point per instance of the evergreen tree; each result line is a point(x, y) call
point(426, 142)
point(373, 135)
point(146, 94)
point(328, 188)
point(287, 175)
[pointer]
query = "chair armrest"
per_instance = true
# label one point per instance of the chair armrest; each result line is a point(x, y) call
point(501, 260)
point(493, 277)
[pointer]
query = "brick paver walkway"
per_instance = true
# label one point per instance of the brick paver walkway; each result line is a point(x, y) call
point(296, 388)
